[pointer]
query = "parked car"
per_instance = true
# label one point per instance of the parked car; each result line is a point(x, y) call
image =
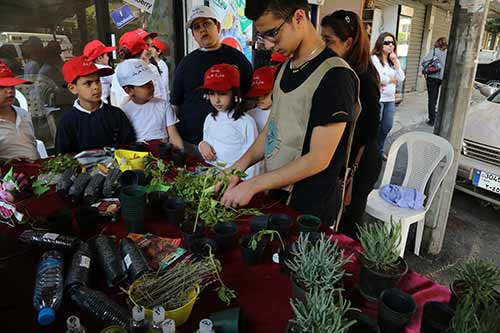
point(15, 40)
point(489, 73)
point(479, 164)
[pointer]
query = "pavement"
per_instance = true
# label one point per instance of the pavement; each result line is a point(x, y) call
point(473, 229)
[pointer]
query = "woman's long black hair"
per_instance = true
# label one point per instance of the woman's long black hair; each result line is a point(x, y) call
point(238, 104)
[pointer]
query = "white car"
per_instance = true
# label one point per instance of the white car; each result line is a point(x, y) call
point(479, 164)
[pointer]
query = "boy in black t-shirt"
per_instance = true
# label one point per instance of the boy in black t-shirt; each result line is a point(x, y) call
point(91, 124)
point(315, 95)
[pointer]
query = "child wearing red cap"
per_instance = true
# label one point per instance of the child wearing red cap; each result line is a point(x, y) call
point(97, 52)
point(262, 90)
point(158, 50)
point(17, 136)
point(91, 124)
point(227, 132)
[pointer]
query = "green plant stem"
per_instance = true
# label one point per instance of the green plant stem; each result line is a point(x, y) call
point(201, 201)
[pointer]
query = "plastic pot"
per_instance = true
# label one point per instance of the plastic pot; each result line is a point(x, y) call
point(436, 317)
point(174, 209)
point(282, 223)
point(252, 257)
point(179, 158)
point(312, 236)
point(396, 308)
point(60, 222)
point(200, 247)
point(188, 235)
point(228, 321)
point(308, 223)
point(364, 324)
point(88, 220)
point(165, 151)
point(258, 223)
point(226, 235)
point(373, 283)
point(138, 146)
point(133, 206)
point(285, 255)
point(156, 200)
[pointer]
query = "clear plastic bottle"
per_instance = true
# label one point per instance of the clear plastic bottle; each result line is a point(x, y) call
point(168, 326)
point(158, 318)
point(139, 324)
point(74, 326)
point(48, 287)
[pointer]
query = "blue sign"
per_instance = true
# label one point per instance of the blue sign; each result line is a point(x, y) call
point(122, 16)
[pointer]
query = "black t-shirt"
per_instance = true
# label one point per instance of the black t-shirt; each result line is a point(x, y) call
point(193, 108)
point(332, 102)
point(105, 127)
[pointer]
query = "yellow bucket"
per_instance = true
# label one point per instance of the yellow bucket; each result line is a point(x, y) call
point(179, 315)
point(130, 160)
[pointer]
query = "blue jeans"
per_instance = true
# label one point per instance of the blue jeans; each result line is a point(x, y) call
point(387, 110)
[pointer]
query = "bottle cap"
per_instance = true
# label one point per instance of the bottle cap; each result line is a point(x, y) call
point(168, 326)
point(138, 313)
point(206, 326)
point(158, 314)
point(46, 316)
point(73, 323)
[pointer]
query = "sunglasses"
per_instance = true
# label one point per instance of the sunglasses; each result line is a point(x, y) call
point(389, 42)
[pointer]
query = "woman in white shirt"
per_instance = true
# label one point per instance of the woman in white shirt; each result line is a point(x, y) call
point(389, 69)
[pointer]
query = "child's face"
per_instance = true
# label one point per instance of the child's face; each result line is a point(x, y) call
point(265, 102)
point(7, 96)
point(221, 100)
point(88, 88)
point(102, 59)
point(147, 54)
point(141, 94)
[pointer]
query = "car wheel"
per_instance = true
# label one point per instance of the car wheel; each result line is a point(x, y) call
point(493, 83)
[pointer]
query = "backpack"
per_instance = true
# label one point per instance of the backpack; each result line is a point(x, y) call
point(432, 66)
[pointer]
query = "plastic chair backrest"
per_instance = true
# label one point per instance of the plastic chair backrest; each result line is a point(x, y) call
point(23, 102)
point(428, 154)
point(42, 92)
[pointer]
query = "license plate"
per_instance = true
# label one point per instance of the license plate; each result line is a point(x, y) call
point(487, 181)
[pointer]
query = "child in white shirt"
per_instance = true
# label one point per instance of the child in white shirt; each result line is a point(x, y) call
point(158, 49)
point(227, 132)
point(152, 118)
point(97, 52)
point(262, 90)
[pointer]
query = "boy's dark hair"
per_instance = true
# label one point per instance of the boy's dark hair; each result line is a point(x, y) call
point(124, 54)
point(238, 107)
point(279, 8)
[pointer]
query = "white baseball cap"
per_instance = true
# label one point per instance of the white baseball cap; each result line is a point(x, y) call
point(134, 72)
point(199, 12)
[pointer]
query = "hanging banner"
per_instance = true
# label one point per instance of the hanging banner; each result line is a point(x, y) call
point(122, 16)
point(236, 29)
point(146, 5)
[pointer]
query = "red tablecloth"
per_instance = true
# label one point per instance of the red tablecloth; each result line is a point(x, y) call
point(263, 293)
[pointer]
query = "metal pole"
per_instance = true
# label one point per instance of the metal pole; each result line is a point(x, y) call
point(103, 22)
point(469, 18)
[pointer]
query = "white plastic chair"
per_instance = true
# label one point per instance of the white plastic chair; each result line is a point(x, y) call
point(428, 154)
point(23, 102)
point(40, 147)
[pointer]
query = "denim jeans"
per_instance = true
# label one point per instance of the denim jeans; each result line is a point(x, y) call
point(387, 110)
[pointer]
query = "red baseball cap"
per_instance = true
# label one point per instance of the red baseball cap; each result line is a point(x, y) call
point(7, 77)
point(221, 77)
point(159, 45)
point(82, 66)
point(262, 81)
point(278, 57)
point(133, 42)
point(143, 33)
point(96, 48)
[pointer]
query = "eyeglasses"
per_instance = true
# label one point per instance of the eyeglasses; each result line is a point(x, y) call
point(272, 35)
point(389, 42)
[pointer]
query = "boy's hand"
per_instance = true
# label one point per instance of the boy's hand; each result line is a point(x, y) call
point(207, 151)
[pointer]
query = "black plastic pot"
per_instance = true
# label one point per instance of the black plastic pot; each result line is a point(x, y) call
point(133, 206)
point(373, 283)
point(229, 321)
point(174, 209)
point(165, 151)
point(312, 236)
point(364, 324)
point(60, 222)
point(187, 232)
point(436, 317)
point(226, 235)
point(396, 308)
point(285, 255)
point(200, 247)
point(308, 223)
point(88, 220)
point(179, 158)
point(138, 146)
point(258, 223)
point(252, 257)
point(282, 223)
point(156, 200)
point(133, 177)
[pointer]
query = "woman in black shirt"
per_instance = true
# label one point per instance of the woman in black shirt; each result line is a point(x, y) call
point(343, 32)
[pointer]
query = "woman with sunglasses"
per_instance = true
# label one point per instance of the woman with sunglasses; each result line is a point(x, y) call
point(343, 33)
point(389, 69)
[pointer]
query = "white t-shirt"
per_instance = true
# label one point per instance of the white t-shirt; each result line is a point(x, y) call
point(18, 140)
point(150, 120)
point(164, 77)
point(106, 83)
point(260, 116)
point(160, 91)
point(386, 73)
point(230, 138)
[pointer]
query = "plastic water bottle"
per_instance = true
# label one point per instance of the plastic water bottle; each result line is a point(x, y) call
point(139, 324)
point(48, 287)
point(74, 326)
point(168, 326)
point(158, 318)
point(206, 326)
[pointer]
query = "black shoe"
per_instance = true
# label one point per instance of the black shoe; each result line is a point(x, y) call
point(430, 122)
